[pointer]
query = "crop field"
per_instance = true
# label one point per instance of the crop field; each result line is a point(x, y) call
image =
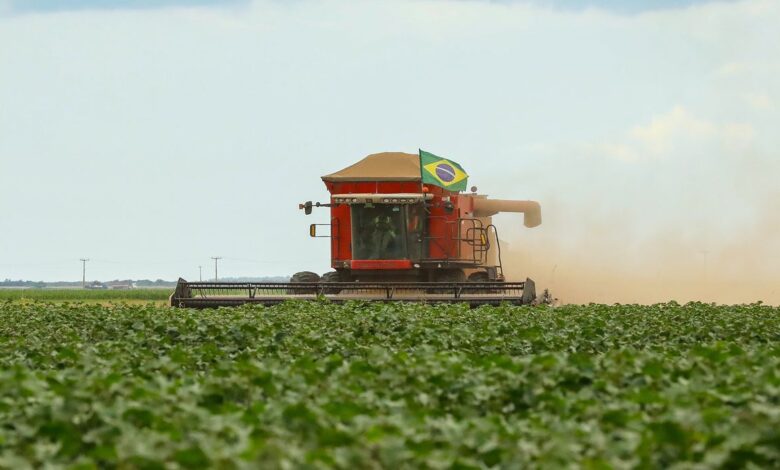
point(86, 295)
point(315, 385)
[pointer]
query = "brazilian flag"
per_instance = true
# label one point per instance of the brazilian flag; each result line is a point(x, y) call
point(442, 172)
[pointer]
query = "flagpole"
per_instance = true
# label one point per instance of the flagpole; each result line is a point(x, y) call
point(419, 159)
point(423, 248)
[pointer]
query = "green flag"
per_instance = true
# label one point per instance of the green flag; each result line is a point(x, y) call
point(442, 172)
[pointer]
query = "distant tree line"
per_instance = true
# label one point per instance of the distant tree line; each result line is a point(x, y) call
point(41, 284)
point(139, 283)
point(20, 283)
point(155, 283)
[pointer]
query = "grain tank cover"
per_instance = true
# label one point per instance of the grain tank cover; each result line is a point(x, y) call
point(385, 166)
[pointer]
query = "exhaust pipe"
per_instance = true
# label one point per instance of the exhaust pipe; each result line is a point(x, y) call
point(531, 210)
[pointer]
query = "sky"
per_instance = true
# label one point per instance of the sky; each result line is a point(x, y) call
point(149, 136)
point(27, 6)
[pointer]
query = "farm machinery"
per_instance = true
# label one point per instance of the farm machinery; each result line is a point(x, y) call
point(402, 228)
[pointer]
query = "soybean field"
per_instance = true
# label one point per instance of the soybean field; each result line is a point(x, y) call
point(316, 385)
point(87, 295)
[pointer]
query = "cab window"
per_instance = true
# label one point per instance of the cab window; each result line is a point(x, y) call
point(378, 232)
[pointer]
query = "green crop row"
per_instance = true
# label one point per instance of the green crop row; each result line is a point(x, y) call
point(315, 385)
point(76, 295)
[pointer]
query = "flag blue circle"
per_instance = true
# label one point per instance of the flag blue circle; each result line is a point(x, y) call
point(445, 172)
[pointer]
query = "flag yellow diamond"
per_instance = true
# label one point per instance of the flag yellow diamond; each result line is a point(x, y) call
point(445, 172)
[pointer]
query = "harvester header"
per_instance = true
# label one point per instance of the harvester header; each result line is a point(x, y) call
point(402, 227)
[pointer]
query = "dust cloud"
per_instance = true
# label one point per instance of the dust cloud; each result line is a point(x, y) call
point(585, 259)
point(682, 206)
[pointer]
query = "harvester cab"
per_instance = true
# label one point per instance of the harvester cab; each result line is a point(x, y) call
point(401, 227)
point(389, 223)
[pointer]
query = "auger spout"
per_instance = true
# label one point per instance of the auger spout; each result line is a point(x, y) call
point(531, 210)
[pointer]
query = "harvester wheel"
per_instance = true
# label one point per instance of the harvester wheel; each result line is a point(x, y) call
point(447, 275)
point(450, 275)
point(304, 276)
point(333, 276)
point(479, 276)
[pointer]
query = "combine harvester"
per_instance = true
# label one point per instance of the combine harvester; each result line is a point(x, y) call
point(401, 229)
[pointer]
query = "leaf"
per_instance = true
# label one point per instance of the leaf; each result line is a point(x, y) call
point(191, 457)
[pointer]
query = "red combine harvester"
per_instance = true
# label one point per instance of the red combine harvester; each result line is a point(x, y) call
point(401, 229)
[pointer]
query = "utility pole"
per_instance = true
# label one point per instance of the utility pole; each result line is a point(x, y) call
point(83, 272)
point(200, 273)
point(216, 259)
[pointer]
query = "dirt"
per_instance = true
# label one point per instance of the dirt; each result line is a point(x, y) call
point(592, 259)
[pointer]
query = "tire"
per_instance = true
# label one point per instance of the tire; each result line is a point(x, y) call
point(450, 275)
point(304, 276)
point(479, 276)
point(447, 275)
point(333, 276)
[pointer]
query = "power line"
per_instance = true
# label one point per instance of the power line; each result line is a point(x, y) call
point(247, 260)
point(216, 259)
point(83, 272)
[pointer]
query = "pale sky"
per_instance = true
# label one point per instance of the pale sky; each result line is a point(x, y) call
point(149, 136)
